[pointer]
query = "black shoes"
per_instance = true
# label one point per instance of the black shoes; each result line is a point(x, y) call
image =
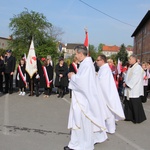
point(61, 95)
point(67, 148)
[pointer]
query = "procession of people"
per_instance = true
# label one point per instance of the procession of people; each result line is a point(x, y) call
point(96, 97)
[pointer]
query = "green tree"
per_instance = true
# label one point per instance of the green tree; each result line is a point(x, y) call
point(28, 25)
point(100, 46)
point(122, 54)
point(114, 58)
point(92, 51)
point(2, 51)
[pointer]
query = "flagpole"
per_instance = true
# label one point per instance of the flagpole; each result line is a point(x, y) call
point(86, 42)
point(31, 86)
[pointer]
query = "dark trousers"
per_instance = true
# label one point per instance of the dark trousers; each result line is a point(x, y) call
point(148, 88)
point(48, 91)
point(8, 83)
point(34, 86)
point(1, 83)
point(61, 91)
point(37, 86)
point(23, 89)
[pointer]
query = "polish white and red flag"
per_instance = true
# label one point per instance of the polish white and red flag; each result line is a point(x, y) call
point(119, 66)
point(31, 63)
point(86, 41)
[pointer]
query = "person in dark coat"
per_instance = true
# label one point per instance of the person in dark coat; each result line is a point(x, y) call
point(48, 77)
point(21, 77)
point(95, 65)
point(61, 80)
point(9, 68)
point(1, 72)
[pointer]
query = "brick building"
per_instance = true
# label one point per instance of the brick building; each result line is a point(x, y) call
point(70, 49)
point(4, 42)
point(142, 39)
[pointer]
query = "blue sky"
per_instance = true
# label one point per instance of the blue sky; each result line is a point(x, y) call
point(72, 16)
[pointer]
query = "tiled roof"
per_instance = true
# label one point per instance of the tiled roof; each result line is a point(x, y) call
point(72, 45)
point(5, 38)
point(63, 45)
point(129, 48)
point(110, 48)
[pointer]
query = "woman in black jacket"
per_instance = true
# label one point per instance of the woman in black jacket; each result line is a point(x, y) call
point(61, 80)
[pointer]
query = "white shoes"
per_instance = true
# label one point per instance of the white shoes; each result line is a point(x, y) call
point(22, 93)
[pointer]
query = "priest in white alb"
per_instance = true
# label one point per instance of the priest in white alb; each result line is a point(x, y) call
point(87, 111)
point(110, 93)
point(133, 91)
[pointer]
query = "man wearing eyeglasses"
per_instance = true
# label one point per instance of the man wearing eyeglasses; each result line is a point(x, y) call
point(110, 93)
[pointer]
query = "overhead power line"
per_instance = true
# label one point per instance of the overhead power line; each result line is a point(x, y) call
point(106, 14)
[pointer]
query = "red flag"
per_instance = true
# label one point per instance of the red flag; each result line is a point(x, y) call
point(86, 42)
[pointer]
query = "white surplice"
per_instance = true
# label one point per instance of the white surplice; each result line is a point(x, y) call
point(86, 97)
point(111, 96)
point(86, 100)
point(134, 80)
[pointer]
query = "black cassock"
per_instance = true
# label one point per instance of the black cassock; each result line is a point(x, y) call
point(134, 111)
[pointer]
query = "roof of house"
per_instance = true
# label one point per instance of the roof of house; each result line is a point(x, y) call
point(72, 45)
point(142, 23)
point(63, 45)
point(110, 48)
point(6, 38)
point(129, 48)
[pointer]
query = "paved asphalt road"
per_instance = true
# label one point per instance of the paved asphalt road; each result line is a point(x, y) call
point(38, 123)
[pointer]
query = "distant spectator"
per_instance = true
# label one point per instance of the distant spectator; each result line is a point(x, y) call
point(146, 76)
point(1, 72)
point(21, 77)
point(73, 68)
point(10, 63)
point(48, 77)
point(61, 80)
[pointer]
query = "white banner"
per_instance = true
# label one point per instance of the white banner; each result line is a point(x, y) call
point(31, 63)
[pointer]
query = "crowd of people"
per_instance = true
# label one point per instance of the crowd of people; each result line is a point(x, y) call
point(101, 95)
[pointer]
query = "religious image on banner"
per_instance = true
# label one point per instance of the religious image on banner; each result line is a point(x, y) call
point(31, 63)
